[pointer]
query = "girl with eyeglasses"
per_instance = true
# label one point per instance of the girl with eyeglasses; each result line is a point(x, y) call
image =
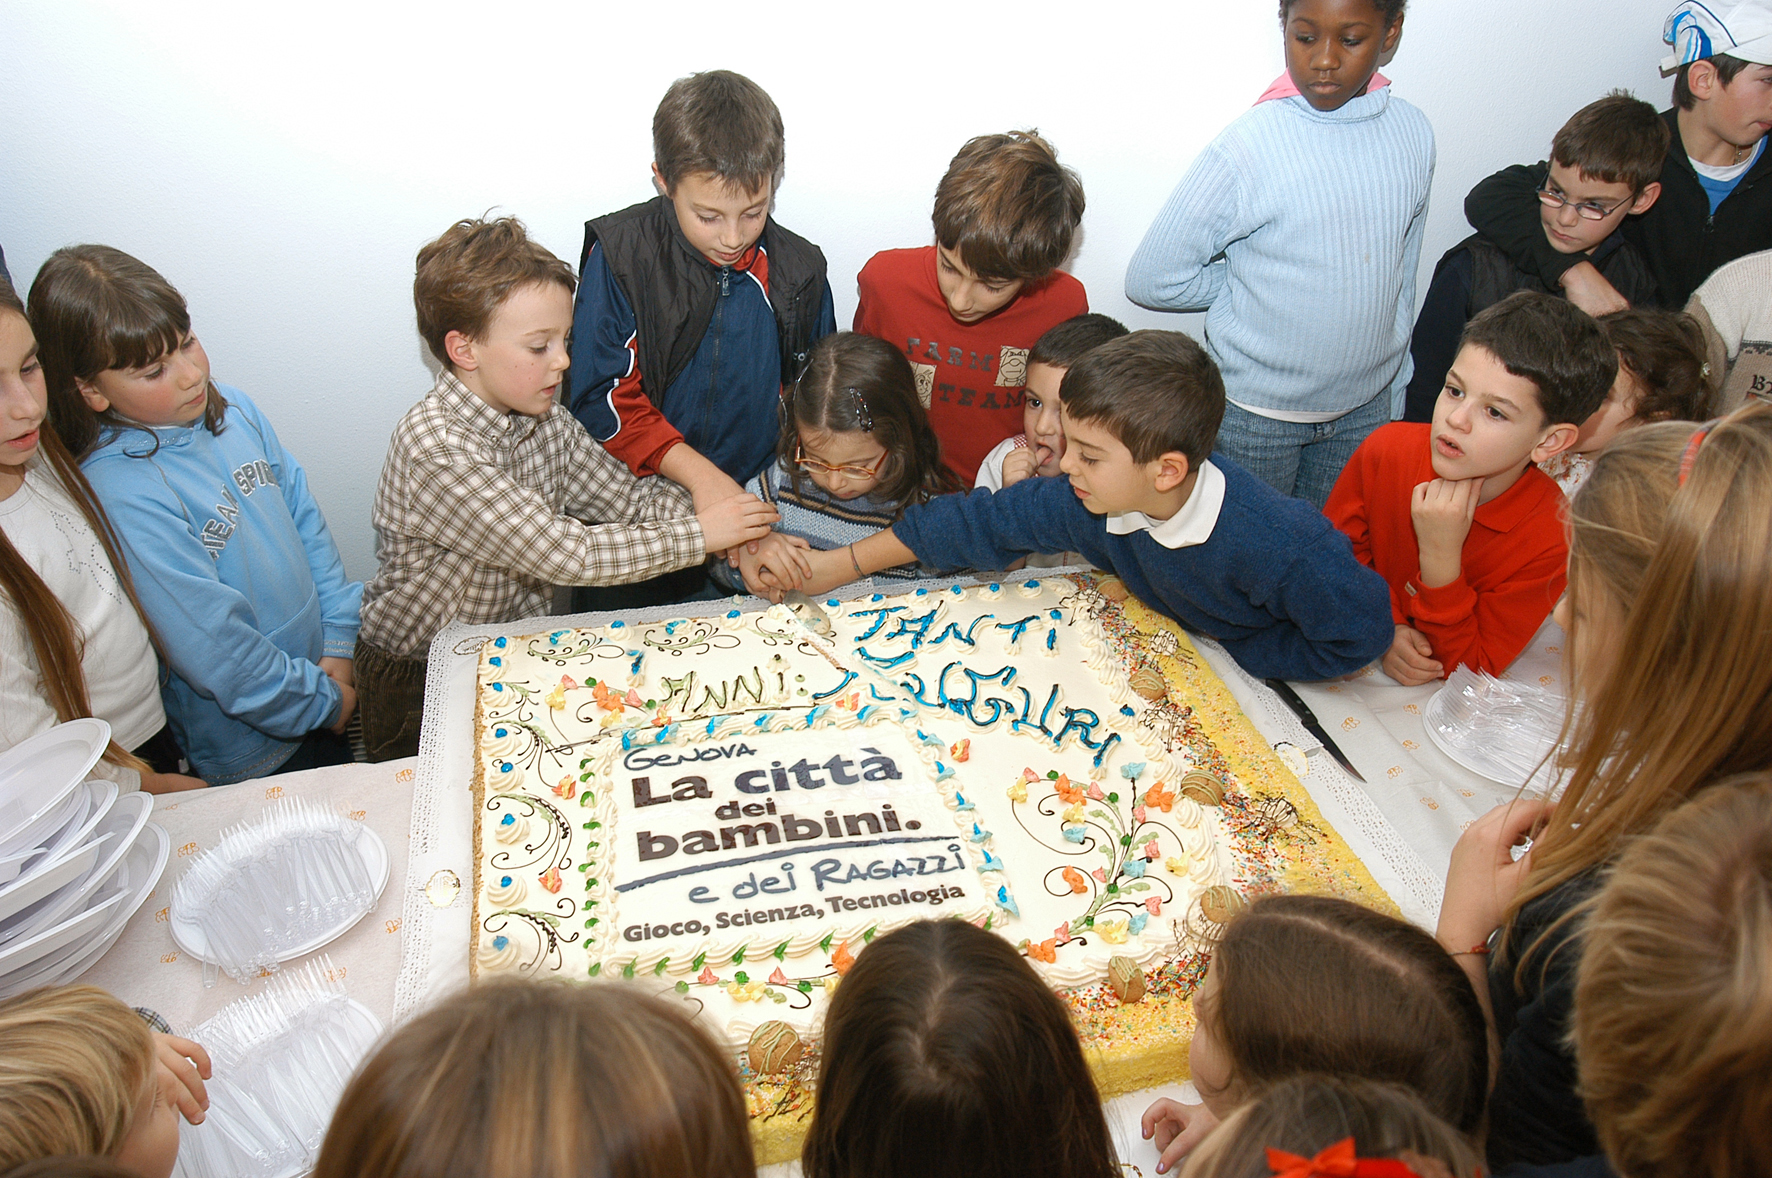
point(856, 448)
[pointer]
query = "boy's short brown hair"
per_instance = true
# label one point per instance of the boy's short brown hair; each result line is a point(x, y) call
point(720, 123)
point(465, 275)
point(1064, 345)
point(1617, 140)
point(1555, 345)
point(1156, 391)
point(1008, 206)
point(1727, 68)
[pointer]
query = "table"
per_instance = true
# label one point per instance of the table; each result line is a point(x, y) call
point(146, 968)
point(409, 952)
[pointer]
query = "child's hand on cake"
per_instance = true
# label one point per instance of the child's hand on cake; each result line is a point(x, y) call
point(1179, 1129)
point(1410, 660)
point(774, 564)
point(735, 520)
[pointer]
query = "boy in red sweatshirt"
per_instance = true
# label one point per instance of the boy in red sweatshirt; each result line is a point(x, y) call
point(967, 309)
point(1455, 515)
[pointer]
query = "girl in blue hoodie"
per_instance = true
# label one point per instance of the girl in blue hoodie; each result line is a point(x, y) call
point(230, 555)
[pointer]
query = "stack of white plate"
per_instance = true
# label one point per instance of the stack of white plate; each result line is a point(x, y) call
point(77, 859)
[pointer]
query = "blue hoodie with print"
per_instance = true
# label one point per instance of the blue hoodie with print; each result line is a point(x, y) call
point(238, 573)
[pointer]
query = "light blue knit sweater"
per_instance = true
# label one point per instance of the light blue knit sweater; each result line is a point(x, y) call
point(1299, 231)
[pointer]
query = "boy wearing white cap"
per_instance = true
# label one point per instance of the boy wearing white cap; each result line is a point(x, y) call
point(1716, 184)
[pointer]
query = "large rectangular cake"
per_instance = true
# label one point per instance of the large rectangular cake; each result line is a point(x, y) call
point(730, 807)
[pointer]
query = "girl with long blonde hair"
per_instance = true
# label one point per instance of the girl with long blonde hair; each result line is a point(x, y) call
point(1669, 619)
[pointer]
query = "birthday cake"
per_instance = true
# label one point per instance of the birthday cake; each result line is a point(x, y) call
point(731, 807)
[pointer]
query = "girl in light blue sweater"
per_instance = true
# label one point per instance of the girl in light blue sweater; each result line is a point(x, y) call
point(231, 558)
point(1298, 231)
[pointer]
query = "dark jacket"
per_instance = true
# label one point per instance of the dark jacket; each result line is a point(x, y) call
point(1475, 274)
point(1679, 237)
point(1535, 1116)
point(708, 346)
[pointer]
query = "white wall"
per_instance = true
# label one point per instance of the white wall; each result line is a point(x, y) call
point(281, 164)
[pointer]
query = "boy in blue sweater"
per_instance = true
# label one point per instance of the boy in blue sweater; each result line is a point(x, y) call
point(695, 308)
point(1201, 540)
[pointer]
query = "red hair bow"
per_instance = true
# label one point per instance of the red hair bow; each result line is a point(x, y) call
point(1337, 1161)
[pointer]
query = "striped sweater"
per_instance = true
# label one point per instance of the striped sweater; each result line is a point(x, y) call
point(1298, 231)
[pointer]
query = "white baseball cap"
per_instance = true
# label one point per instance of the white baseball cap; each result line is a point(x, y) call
point(1698, 30)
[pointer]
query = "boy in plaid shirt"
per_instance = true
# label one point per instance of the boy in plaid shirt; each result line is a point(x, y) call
point(478, 511)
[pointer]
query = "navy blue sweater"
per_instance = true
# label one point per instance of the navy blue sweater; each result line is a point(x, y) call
point(1275, 583)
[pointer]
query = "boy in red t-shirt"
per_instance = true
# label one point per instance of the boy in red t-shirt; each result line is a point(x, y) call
point(967, 309)
point(1456, 516)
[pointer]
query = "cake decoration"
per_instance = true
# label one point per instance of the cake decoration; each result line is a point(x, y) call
point(752, 802)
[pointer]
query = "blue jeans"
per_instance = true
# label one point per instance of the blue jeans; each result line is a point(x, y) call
point(1294, 457)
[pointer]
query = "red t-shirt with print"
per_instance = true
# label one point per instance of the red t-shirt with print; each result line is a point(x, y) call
point(970, 375)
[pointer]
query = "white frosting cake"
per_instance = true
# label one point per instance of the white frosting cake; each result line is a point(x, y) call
point(736, 804)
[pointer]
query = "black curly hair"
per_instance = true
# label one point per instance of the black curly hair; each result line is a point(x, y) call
point(1390, 10)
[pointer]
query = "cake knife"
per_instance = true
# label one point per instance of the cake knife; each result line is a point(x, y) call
point(1309, 719)
point(815, 617)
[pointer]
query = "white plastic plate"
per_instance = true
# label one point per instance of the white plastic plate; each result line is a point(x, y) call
point(135, 879)
point(121, 826)
point(33, 886)
point(19, 956)
point(37, 775)
point(187, 935)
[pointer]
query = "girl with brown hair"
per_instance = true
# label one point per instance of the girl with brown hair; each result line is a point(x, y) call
point(1313, 984)
point(524, 1079)
point(73, 640)
point(856, 449)
point(1669, 621)
point(946, 1055)
point(229, 552)
point(1673, 1016)
point(1319, 1125)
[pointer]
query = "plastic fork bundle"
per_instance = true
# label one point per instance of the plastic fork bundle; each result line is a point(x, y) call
point(281, 1060)
point(1513, 724)
point(273, 885)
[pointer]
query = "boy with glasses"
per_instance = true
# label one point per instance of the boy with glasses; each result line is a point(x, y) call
point(1604, 167)
point(1716, 178)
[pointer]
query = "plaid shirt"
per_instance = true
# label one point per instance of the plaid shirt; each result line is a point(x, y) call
point(475, 519)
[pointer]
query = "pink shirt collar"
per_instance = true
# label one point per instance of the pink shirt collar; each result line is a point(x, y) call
point(1284, 87)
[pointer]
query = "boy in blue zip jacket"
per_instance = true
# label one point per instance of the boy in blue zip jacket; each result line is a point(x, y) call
point(695, 308)
point(1201, 540)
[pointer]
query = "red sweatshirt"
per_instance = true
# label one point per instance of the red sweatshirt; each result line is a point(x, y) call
point(1515, 558)
point(970, 375)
